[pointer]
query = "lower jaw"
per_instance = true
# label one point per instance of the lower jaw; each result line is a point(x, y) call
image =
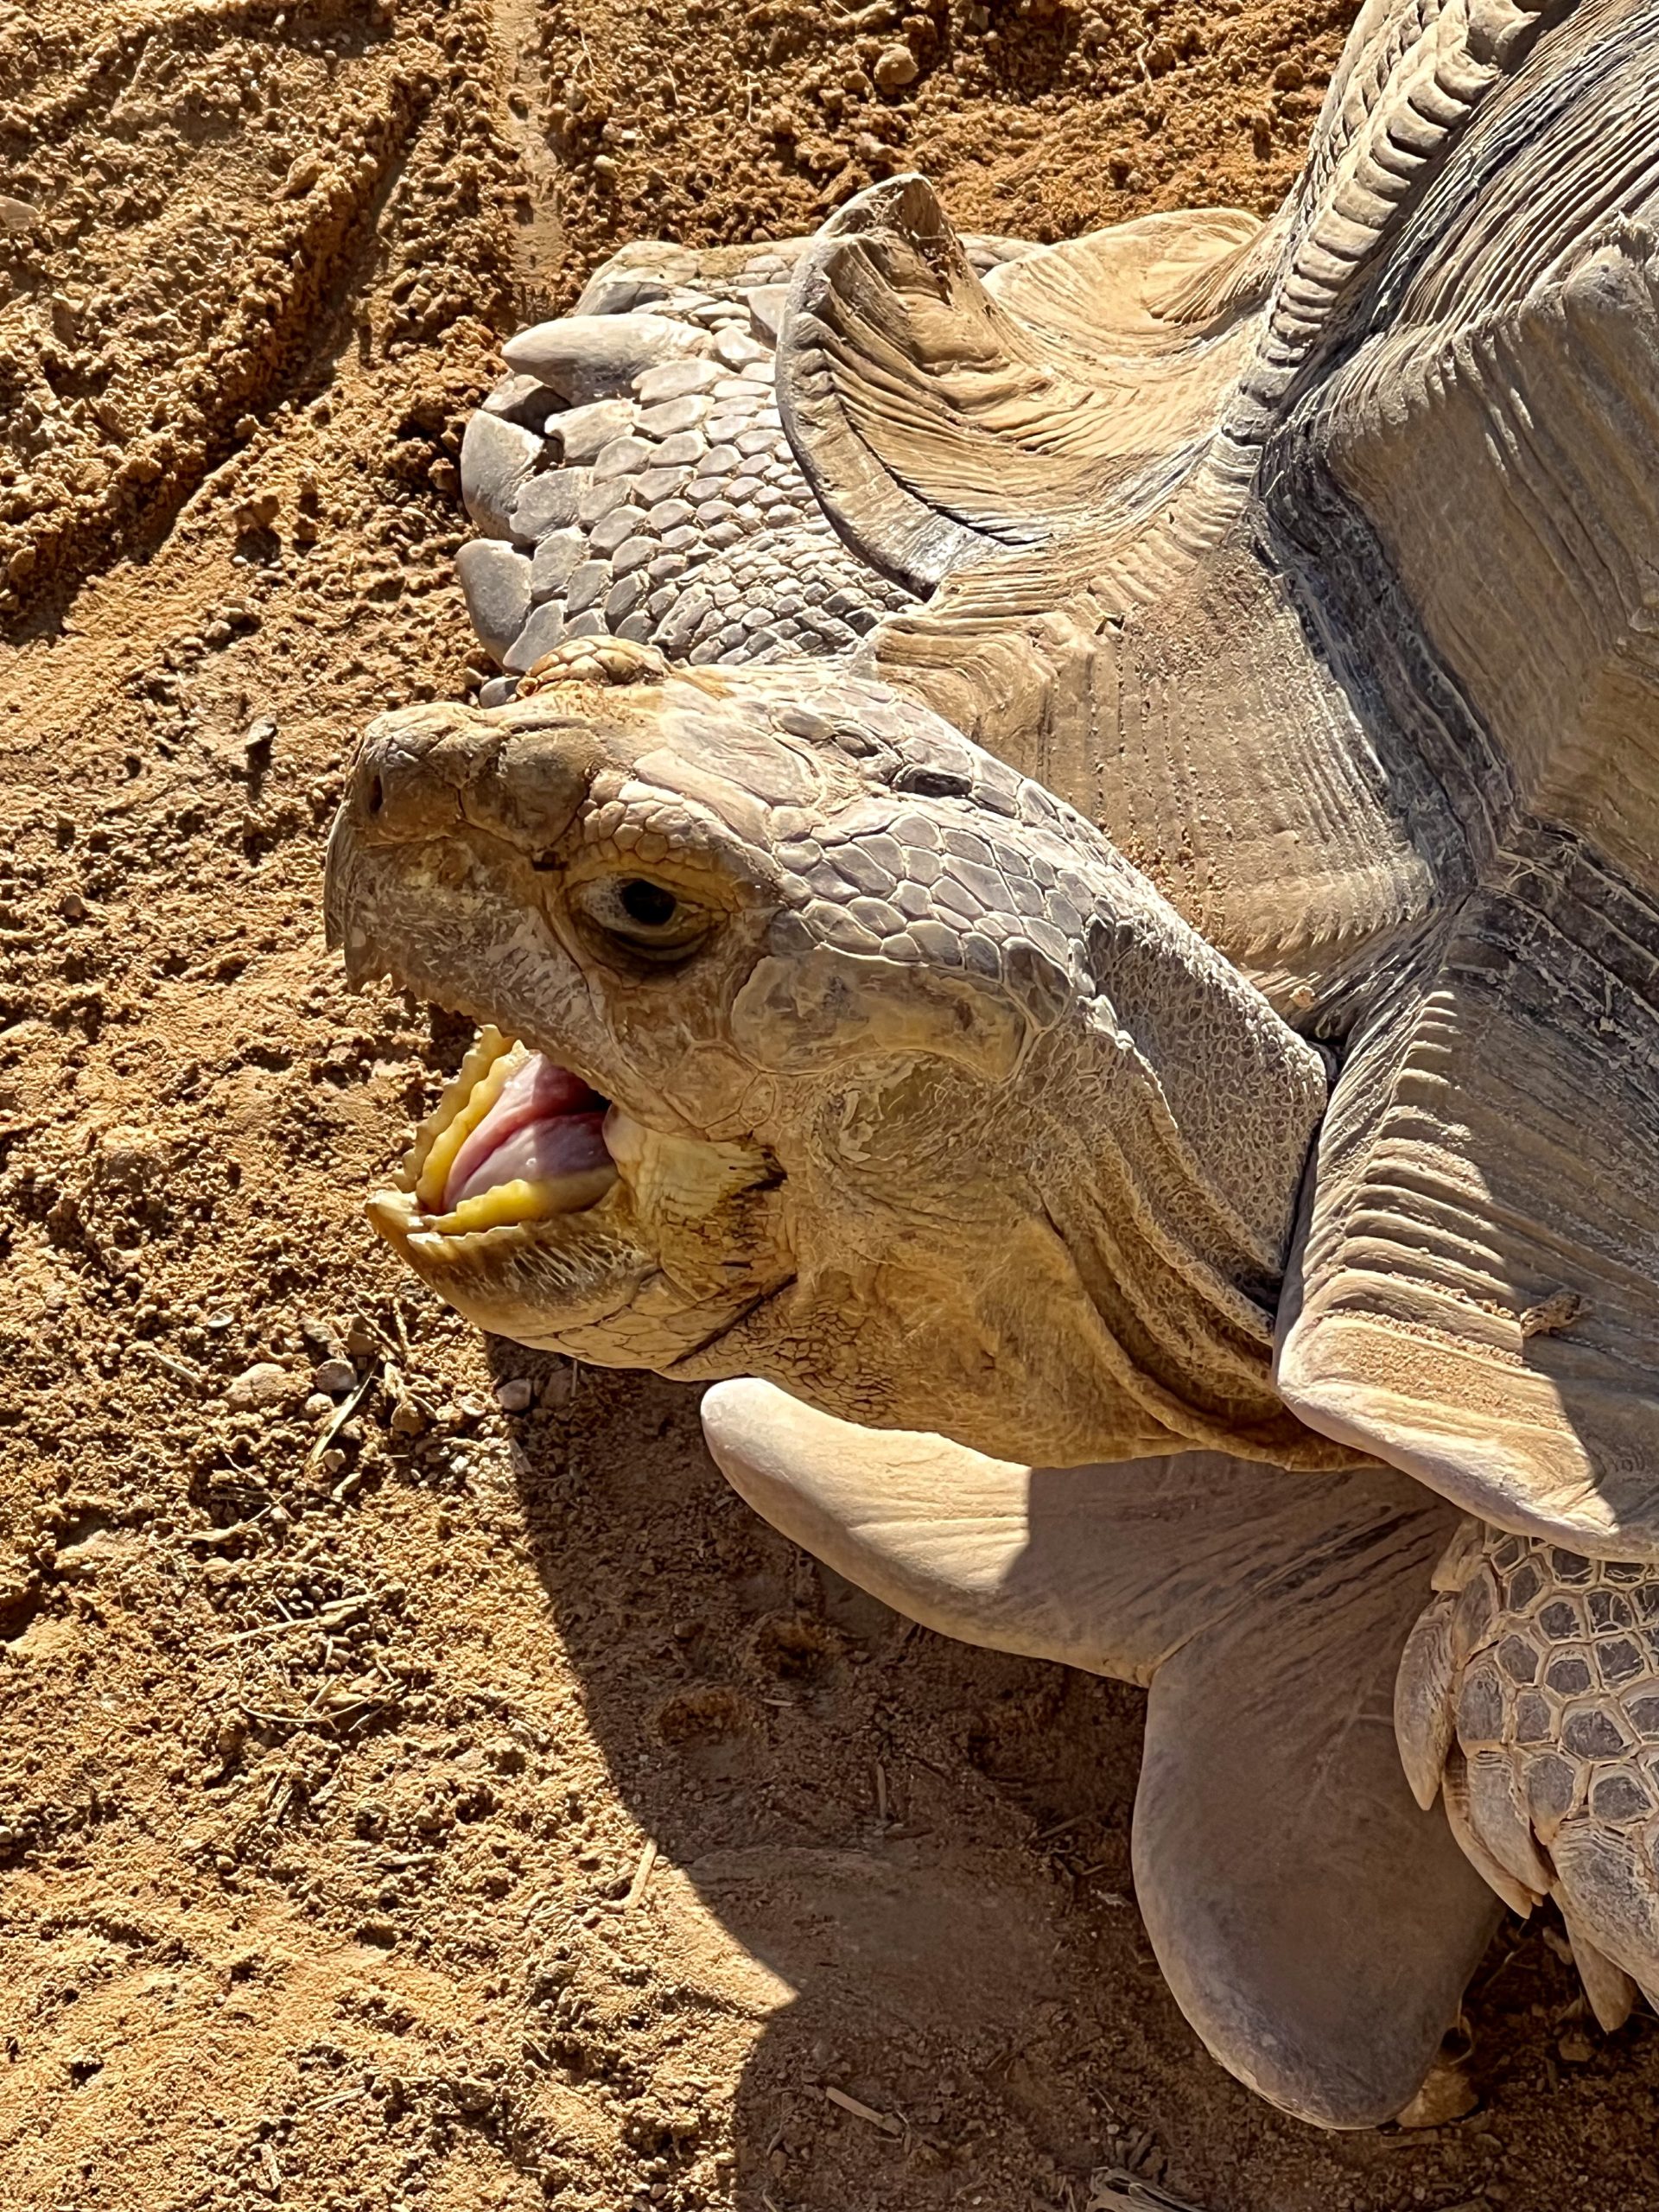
point(562, 1264)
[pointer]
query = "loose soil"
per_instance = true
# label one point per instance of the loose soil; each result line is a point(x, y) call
point(332, 1769)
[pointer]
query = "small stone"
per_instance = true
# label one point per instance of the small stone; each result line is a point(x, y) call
point(558, 558)
point(623, 457)
point(261, 1385)
point(586, 356)
point(674, 416)
point(18, 215)
point(337, 1377)
point(1575, 2047)
point(670, 515)
point(498, 691)
point(318, 1406)
point(637, 628)
point(514, 1393)
point(409, 1418)
point(496, 580)
point(675, 379)
point(894, 68)
point(584, 432)
point(498, 459)
point(587, 586)
point(589, 624)
point(539, 635)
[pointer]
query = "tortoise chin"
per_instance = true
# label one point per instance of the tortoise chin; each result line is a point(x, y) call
point(544, 1212)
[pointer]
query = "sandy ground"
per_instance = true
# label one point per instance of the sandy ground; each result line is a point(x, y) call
point(332, 1767)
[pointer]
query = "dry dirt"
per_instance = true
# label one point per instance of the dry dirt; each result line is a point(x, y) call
point(329, 1778)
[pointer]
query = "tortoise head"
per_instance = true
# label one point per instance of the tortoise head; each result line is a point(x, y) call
point(820, 1045)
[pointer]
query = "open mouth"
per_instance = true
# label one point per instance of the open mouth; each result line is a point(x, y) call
point(515, 1138)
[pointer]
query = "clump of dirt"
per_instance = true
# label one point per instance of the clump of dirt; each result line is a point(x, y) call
point(405, 1801)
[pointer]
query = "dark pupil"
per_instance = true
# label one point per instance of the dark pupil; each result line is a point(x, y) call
point(647, 904)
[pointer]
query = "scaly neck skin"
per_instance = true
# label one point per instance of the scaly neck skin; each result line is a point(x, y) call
point(1055, 1227)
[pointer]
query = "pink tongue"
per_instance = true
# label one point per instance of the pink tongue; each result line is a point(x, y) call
point(546, 1123)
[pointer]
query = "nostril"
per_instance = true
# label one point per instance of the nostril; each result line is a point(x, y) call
point(377, 795)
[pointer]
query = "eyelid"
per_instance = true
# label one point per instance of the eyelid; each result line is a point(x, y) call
point(597, 902)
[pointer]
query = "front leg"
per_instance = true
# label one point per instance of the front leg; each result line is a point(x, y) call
point(632, 478)
point(1316, 1927)
point(1530, 1695)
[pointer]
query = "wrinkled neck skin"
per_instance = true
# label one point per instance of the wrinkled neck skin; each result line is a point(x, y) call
point(948, 1123)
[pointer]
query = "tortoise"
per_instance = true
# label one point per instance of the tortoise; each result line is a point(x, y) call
point(1124, 1050)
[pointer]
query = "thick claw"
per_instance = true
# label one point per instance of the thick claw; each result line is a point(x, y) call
point(1422, 1699)
point(1610, 1989)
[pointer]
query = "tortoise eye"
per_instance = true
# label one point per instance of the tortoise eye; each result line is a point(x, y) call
point(647, 903)
point(638, 916)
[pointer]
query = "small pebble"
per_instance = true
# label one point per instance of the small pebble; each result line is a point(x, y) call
point(622, 524)
point(894, 68)
point(336, 1376)
point(737, 350)
point(263, 1385)
point(514, 1393)
point(765, 305)
point(682, 451)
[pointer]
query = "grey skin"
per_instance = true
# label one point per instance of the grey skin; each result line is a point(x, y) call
point(1286, 673)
